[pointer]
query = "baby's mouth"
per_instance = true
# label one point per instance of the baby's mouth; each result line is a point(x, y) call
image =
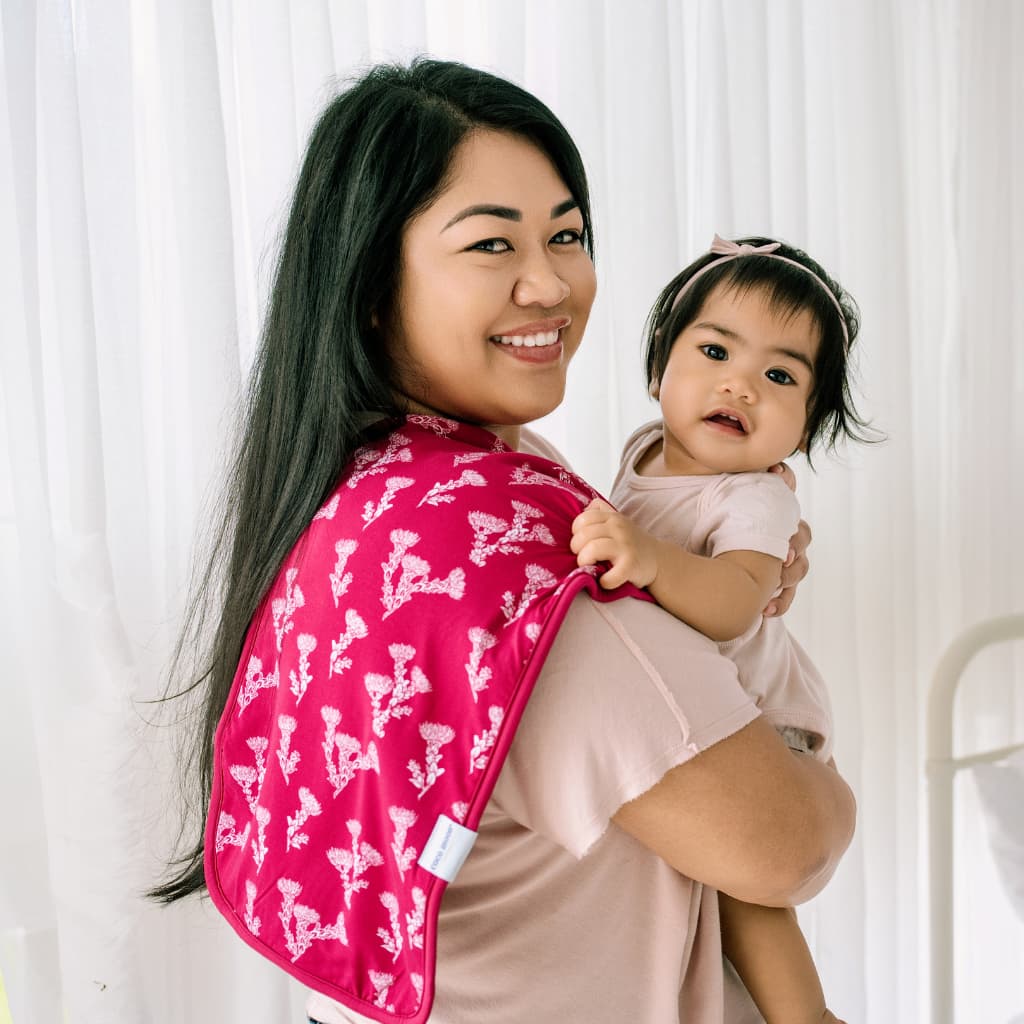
point(727, 421)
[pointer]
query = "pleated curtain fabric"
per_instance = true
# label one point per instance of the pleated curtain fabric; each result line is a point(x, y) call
point(147, 151)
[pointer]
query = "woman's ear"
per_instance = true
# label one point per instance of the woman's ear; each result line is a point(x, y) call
point(655, 389)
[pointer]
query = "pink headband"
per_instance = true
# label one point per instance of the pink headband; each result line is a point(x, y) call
point(731, 250)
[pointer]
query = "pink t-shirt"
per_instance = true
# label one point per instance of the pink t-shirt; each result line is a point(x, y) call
point(709, 515)
point(558, 915)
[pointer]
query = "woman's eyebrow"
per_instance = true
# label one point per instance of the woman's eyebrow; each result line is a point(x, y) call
point(506, 212)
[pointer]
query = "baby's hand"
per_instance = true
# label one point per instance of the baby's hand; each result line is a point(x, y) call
point(600, 534)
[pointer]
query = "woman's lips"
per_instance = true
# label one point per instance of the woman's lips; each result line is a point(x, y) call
point(540, 339)
point(537, 342)
point(544, 353)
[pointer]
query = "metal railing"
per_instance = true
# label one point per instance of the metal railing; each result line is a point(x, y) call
point(941, 769)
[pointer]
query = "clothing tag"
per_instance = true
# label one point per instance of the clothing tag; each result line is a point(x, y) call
point(447, 848)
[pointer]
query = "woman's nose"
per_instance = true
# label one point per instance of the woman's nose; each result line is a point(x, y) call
point(540, 284)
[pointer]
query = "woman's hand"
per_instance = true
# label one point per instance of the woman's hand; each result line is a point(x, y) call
point(795, 567)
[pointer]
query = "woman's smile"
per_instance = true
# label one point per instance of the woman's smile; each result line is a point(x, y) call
point(537, 342)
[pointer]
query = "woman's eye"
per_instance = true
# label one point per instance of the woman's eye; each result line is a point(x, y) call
point(779, 377)
point(715, 352)
point(491, 245)
point(570, 236)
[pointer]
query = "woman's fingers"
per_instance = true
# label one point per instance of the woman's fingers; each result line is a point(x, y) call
point(783, 470)
point(794, 569)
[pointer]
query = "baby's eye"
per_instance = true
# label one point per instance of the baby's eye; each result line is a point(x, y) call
point(570, 236)
point(779, 376)
point(491, 245)
point(715, 352)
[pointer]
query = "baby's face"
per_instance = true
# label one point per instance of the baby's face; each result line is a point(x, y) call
point(735, 390)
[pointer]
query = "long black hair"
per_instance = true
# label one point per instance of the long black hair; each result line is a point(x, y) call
point(831, 412)
point(379, 154)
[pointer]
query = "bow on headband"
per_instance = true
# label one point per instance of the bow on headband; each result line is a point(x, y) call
point(724, 247)
point(727, 250)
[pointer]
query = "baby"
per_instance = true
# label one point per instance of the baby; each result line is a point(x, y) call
point(747, 353)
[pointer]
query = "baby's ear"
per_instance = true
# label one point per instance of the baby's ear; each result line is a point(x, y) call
point(655, 389)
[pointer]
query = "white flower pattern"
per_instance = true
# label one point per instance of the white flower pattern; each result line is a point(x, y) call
point(227, 835)
point(494, 535)
point(436, 736)
point(354, 862)
point(287, 758)
point(309, 807)
point(372, 512)
point(537, 579)
point(340, 579)
point(398, 688)
point(284, 608)
point(414, 578)
point(484, 743)
point(308, 928)
point(441, 494)
point(255, 680)
point(480, 641)
point(403, 819)
point(370, 461)
point(344, 754)
point(355, 629)
point(306, 644)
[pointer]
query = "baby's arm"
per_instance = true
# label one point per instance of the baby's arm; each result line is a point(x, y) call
point(720, 597)
point(768, 950)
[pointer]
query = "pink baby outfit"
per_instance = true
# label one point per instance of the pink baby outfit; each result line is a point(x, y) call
point(709, 515)
point(379, 688)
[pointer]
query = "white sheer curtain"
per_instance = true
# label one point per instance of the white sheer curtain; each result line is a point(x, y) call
point(146, 155)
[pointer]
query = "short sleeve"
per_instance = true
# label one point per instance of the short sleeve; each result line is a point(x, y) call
point(627, 692)
point(748, 512)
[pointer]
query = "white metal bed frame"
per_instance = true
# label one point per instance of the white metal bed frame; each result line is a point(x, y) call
point(941, 769)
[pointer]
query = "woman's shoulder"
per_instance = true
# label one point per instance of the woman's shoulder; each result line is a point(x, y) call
point(535, 444)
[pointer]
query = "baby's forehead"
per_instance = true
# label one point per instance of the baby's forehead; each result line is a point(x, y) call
point(774, 299)
point(743, 310)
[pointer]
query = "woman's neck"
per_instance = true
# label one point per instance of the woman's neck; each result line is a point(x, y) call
point(510, 434)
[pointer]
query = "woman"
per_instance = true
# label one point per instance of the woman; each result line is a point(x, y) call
point(434, 282)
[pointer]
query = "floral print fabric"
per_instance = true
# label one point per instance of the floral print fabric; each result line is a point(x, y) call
point(380, 685)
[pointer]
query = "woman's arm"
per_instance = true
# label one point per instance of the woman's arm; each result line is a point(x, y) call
point(720, 597)
point(748, 817)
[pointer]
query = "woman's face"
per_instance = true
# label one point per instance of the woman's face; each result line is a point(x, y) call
point(494, 291)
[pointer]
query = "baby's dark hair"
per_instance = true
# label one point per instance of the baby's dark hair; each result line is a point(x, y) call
point(831, 414)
